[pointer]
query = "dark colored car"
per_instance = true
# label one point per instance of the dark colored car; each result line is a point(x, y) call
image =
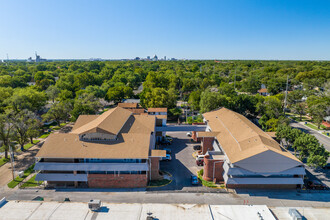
point(165, 142)
point(197, 147)
point(194, 180)
point(200, 162)
point(315, 184)
point(168, 150)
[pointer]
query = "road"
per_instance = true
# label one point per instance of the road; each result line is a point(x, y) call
point(281, 198)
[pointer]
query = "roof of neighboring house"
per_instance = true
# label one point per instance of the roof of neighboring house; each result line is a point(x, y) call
point(263, 90)
point(133, 140)
point(161, 116)
point(110, 122)
point(128, 105)
point(240, 138)
point(157, 109)
point(68, 145)
point(206, 134)
point(158, 153)
point(326, 124)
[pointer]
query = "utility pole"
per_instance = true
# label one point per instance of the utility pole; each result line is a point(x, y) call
point(286, 93)
point(12, 161)
point(235, 79)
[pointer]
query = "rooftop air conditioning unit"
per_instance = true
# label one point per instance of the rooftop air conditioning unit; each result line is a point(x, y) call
point(94, 204)
point(295, 215)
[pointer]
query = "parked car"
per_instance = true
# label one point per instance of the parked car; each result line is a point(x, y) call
point(189, 134)
point(201, 156)
point(168, 150)
point(165, 142)
point(194, 180)
point(197, 147)
point(316, 184)
point(169, 139)
point(200, 162)
point(167, 158)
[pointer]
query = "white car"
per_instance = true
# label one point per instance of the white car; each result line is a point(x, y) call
point(189, 134)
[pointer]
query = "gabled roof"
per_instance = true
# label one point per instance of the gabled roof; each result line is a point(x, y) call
point(110, 122)
point(82, 120)
point(68, 145)
point(239, 137)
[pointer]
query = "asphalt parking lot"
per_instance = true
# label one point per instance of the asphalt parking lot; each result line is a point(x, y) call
point(182, 165)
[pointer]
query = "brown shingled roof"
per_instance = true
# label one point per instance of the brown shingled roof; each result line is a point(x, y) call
point(263, 90)
point(239, 137)
point(67, 145)
point(128, 105)
point(109, 122)
point(157, 109)
point(83, 119)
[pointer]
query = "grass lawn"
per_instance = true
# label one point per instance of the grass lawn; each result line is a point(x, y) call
point(159, 182)
point(4, 160)
point(29, 145)
point(18, 179)
point(31, 182)
point(204, 182)
point(312, 126)
point(45, 135)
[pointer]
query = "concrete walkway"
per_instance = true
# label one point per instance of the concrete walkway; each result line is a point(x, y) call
point(22, 161)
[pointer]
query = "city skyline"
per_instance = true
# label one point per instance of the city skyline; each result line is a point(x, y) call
point(240, 30)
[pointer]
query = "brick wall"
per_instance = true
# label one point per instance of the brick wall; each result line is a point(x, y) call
point(154, 171)
point(207, 144)
point(209, 165)
point(115, 181)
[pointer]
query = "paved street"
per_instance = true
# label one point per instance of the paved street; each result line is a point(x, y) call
point(270, 198)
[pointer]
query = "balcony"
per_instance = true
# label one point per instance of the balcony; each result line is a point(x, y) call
point(91, 166)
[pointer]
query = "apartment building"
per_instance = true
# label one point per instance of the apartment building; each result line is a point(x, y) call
point(241, 155)
point(113, 150)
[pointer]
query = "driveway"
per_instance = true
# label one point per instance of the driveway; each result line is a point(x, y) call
point(182, 166)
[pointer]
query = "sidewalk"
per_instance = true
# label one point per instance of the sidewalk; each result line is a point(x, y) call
point(22, 161)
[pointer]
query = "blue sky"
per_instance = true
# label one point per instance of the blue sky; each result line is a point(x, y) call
point(219, 29)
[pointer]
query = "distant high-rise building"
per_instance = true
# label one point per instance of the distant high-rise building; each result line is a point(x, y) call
point(148, 57)
point(155, 58)
point(164, 57)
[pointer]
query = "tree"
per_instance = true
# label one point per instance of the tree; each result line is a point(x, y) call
point(304, 143)
point(85, 104)
point(6, 129)
point(194, 99)
point(59, 112)
point(271, 106)
point(300, 109)
point(52, 92)
point(34, 129)
point(318, 112)
point(158, 97)
point(118, 93)
point(21, 123)
point(318, 160)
